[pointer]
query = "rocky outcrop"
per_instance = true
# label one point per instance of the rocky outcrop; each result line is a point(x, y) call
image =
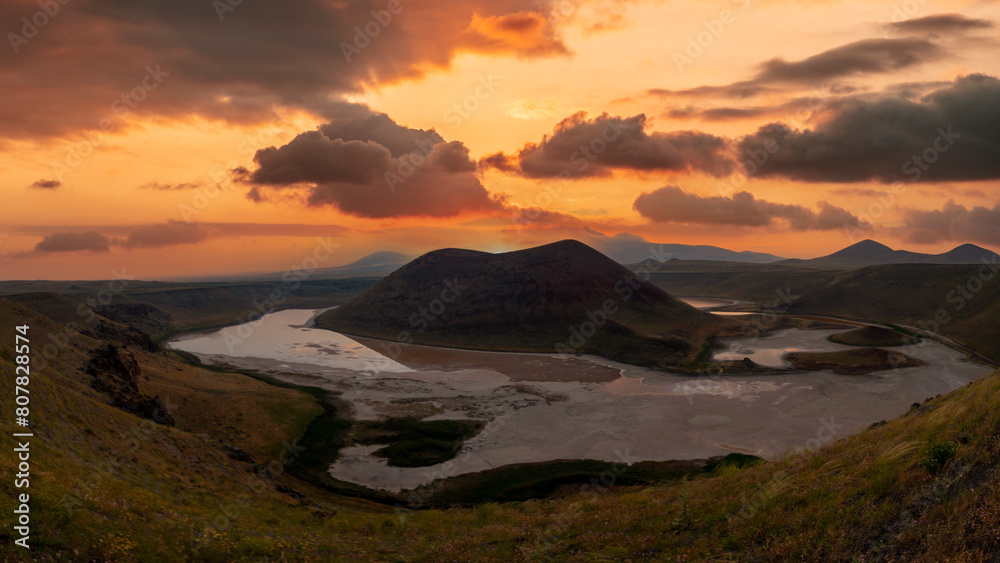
point(115, 373)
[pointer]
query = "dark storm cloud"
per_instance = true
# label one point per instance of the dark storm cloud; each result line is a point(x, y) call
point(671, 204)
point(46, 184)
point(941, 23)
point(950, 134)
point(91, 60)
point(581, 147)
point(166, 234)
point(74, 241)
point(954, 222)
point(868, 56)
point(367, 165)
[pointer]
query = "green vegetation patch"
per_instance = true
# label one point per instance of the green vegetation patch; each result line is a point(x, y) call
point(861, 361)
point(874, 336)
point(938, 455)
point(738, 461)
point(417, 443)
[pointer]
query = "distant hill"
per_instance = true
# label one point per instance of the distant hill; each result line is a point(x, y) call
point(377, 264)
point(627, 248)
point(560, 297)
point(871, 253)
point(965, 297)
point(374, 265)
point(382, 258)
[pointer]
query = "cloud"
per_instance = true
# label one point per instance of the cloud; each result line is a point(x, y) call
point(671, 204)
point(365, 164)
point(256, 195)
point(166, 234)
point(954, 222)
point(581, 147)
point(800, 108)
point(241, 62)
point(867, 56)
point(117, 233)
point(171, 233)
point(46, 184)
point(170, 187)
point(74, 241)
point(355, 122)
point(861, 192)
point(950, 134)
point(941, 23)
point(527, 33)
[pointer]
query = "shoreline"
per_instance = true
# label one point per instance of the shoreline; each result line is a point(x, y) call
point(538, 422)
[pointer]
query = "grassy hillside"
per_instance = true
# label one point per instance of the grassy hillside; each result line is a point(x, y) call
point(107, 485)
point(182, 306)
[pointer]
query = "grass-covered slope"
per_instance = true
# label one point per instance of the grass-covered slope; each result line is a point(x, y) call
point(559, 297)
point(180, 307)
point(107, 485)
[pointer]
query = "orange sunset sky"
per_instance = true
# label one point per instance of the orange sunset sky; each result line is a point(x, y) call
point(193, 137)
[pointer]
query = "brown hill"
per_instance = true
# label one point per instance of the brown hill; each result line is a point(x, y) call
point(561, 297)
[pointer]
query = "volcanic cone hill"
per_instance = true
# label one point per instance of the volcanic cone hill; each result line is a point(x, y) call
point(561, 297)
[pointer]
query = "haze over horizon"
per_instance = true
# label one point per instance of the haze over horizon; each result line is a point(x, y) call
point(196, 139)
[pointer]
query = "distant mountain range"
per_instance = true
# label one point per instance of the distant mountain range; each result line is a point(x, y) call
point(560, 297)
point(871, 253)
point(627, 248)
point(377, 264)
point(374, 265)
point(624, 248)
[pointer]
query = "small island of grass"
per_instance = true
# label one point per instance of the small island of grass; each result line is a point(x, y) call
point(873, 336)
point(861, 361)
point(417, 443)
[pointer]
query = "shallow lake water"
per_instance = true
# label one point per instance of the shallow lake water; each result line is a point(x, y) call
point(542, 407)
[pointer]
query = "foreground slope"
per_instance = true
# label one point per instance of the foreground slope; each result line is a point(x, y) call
point(559, 297)
point(108, 485)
